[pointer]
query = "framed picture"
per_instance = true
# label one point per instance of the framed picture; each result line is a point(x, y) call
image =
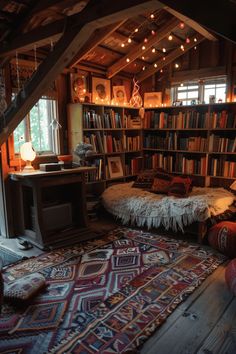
point(78, 87)
point(152, 99)
point(101, 90)
point(119, 94)
point(115, 167)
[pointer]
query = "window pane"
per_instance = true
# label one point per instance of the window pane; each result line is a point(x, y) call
point(19, 136)
point(181, 88)
point(221, 94)
point(193, 87)
point(182, 95)
point(209, 86)
point(193, 94)
point(208, 93)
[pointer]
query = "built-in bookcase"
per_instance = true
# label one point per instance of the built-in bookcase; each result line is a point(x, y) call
point(113, 132)
point(196, 140)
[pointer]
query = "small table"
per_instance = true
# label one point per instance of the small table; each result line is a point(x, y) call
point(50, 207)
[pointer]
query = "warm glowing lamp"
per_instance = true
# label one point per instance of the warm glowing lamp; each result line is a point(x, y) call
point(233, 186)
point(27, 154)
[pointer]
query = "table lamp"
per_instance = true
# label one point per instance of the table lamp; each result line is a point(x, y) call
point(27, 154)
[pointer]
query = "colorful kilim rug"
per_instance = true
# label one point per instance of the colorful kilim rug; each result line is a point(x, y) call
point(103, 296)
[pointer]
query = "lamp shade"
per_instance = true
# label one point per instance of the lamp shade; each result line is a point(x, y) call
point(27, 152)
point(233, 186)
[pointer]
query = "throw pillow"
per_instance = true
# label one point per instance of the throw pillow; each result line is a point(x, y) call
point(161, 183)
point(145, 179)
point(230, 276)
point(25, 288)
point(222, 237)
point(180, 186)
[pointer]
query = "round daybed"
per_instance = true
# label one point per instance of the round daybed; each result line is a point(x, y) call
point(142, 208)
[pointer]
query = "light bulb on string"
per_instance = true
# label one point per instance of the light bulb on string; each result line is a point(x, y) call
point(187, 40)
point(152, 16)
point(170, 37)
point(145, 40)
point(122, 45)
point(143, 58)
point(143, 47)
point(164, 50)
point(181, 25)
point(153, 32)
point(195, 39)
point(176, 65)
point(129, 40)
point(153, 50)
point(143, 68)
point(195, 48)
point(182, 47)
point(155, 65)
point(161, 71)
point(127, 60)
point(164, 58)
point(136, 30)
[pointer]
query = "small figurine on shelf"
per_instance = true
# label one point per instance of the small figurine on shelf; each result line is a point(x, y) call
point(82, 151)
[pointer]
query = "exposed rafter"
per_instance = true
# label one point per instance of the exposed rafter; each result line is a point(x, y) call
point(138, 50)
point(217, 16)
point(97, 38)
point(169, 58)
point(191, 23)
point(95, 15)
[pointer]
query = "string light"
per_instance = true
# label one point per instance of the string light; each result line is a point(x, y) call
point(122, 45)
point(181, 84)
point(153, 32)
point(153, 50)
point(145, 40)
point(176, 65)
point(129, 40)
point(187, 40)
point(136, 30)
point(170, 37)
point(143, 58)
point(161, 71)
point(181, 25)
point(195, 48)
point(143, 68)
point(155, 65)
point(127, 60)
point(143, 47)
point(152, 16)
point(164, 50)
point(195, 39)
point(164, 58)
point(182, 47)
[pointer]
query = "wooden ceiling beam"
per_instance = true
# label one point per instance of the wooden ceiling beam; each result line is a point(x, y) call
point(176, 53)
point(138, 50)
point(191, 23)
point(96, 39)
point(95, 15)
point(216, 16)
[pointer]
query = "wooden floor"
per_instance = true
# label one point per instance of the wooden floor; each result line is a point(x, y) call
point(205, 323)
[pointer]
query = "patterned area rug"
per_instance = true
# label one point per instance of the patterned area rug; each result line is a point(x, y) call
point(103, 296)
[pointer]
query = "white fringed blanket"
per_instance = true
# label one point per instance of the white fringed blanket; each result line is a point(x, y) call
point(142, 208)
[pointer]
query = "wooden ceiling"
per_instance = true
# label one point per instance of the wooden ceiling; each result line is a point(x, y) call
point(129, 46)
point(125, 37)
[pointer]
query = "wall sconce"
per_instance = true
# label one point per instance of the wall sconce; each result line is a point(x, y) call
point(27, 154)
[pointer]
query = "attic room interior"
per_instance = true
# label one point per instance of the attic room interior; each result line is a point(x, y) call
point(118, 176)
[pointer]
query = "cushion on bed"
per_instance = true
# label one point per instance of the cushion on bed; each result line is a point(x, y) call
point(230, 276)
point(161, 183)
point(145, 179)
point(180, 186)
point(25, 288)
point(222, 237)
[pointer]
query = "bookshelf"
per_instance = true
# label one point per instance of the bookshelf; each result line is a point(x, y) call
point(196, 140)
point(113, 132)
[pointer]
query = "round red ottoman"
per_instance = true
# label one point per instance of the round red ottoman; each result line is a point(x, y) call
point(222, 237)
point(230, 276)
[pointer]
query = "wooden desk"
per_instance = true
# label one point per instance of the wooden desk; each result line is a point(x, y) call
point(50, 207)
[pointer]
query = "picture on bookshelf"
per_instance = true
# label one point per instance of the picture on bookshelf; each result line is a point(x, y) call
point(119, 94)
point(115, 167)
point(101, 90)
point(152, 99)
point(78, 87)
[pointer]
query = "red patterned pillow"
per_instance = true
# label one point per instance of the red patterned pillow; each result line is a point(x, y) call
point(230, 276)
point(222, 237)
point(180, 186)
point(145, 179)
point(161, 183)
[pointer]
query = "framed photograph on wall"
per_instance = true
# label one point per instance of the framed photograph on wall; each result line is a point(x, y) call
point(101, 90)
point(152, 99)
point(115, 167)
point(78, 87)
point(119, 94)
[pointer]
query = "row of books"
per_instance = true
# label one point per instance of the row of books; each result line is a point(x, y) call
point(178, 163)
point(182, 120)
point(131, 143)
point(172, 142)
point(110, 119)
point(223, 119)
point(219, 144)
point(133, 166)
point(221, 167)
point(96, 141)
point(96, 175)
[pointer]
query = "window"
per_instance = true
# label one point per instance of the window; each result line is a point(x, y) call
point(37, 127)
point(200, 92)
